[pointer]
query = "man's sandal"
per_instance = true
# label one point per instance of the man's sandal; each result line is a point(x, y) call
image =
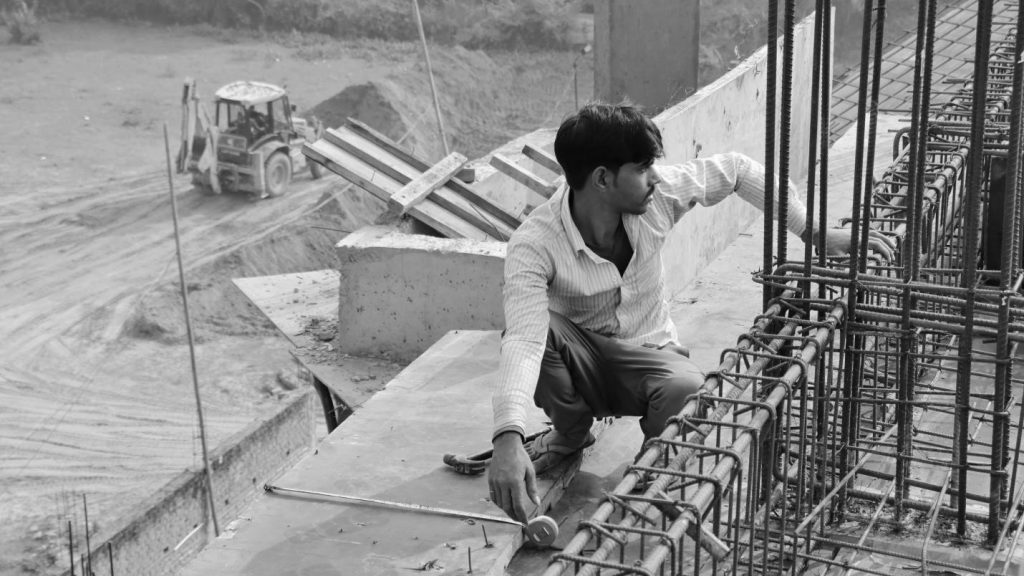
point(551, 448)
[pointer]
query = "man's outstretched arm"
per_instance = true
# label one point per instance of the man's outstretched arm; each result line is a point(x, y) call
point(511, 477)
point(708, 181)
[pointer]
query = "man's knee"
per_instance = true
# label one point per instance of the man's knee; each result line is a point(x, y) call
point(677, 388)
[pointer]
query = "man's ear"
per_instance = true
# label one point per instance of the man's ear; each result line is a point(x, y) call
point(600, 177)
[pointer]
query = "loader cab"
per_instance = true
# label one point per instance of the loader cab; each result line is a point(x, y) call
point(253, 111)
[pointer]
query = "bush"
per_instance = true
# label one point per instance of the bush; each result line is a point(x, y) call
point(510, 24)
point(22, 23)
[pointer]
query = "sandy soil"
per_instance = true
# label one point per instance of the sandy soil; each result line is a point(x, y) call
point(86, 238)
point(95, 388)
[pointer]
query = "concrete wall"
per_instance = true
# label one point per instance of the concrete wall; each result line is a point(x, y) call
point(657, 71)
point(168, 530)
point(728, 115)
point(400, 293)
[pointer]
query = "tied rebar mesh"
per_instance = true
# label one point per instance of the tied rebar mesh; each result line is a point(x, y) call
point(874, 409)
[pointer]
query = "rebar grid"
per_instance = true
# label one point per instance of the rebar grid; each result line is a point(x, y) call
point(872, 400)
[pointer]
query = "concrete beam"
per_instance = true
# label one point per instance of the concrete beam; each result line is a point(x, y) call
point(657, 71)
point(399, 293)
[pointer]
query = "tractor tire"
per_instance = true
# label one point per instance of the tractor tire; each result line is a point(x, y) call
point(277, 174)
point(315, 169)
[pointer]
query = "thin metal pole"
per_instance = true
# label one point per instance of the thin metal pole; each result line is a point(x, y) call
point(970, 257)
point(909, 253)
point(1009, 264)
point(71, 548)
point(769, 145)
point(786, 124)
point(191, 341)
point(88, 543)
point(110, 556)
point(1011, 222)
point(852, 362)
point(430, 75)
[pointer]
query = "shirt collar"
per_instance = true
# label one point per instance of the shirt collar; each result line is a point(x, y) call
point(571, 231)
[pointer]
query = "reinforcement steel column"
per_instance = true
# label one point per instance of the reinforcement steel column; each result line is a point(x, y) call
point(1009, 260)
point(970, 255)
point(786, 122)
point(853, 365)
point(769, 145)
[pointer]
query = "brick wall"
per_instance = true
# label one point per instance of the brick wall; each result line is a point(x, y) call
point(168, 529)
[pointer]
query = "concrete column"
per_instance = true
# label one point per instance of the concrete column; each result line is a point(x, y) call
point(646, 50)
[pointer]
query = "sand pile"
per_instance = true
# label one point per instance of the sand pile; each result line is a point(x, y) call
point(485, 100)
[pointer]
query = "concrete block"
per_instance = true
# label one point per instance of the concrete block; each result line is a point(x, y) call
point(399, 293)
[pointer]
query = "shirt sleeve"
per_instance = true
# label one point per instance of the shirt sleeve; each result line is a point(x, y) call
point(708, 181)
point(528, 271)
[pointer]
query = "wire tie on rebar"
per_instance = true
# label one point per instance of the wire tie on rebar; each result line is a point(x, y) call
point(616, 499)
point(600, 529)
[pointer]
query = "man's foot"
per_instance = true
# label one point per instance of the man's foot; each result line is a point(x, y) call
point(551, 448)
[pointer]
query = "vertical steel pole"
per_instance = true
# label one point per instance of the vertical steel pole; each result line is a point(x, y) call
point(430, 75)
point(853, 363)
point(191, 341)
point(786, 123)
point(769, 145)
point(88, 543)
point(1009, 262)
point(970, 254)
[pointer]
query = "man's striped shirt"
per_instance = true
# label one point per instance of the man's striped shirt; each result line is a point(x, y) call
point(548, 267)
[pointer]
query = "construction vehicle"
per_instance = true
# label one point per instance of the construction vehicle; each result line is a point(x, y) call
point(252, 143)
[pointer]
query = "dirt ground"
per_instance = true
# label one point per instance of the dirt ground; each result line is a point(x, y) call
point(95, 388)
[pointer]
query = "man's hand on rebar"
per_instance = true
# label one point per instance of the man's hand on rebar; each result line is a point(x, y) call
point(511, 477)
point(837, 243)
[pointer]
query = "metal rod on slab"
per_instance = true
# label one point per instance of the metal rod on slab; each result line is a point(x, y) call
point(539, 530)
point(191, 341)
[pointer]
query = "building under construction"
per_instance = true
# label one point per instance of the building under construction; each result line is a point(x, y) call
point(867, 420)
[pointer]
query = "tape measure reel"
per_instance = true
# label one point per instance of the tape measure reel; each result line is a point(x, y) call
point(541, 531)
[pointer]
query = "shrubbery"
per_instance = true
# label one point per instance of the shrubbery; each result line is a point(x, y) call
point(510, 24)
point(21, 22)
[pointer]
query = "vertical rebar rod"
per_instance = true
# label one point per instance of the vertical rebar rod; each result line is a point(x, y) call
point(869, 159)
point(970, 227)
point(910, 255)
point(191, 341)
point(769, 145)
point(853, 364)
point(786, 124)
point(825, 123)
point(1013, 188)
point(71, 548)
point(430, 76)
point(1008, 264)
point(88, 543)
point(805, 287)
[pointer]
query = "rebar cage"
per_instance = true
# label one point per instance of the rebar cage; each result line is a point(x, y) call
point(870, 419)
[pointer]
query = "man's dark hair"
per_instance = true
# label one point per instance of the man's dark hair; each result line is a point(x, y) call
point(608, 135)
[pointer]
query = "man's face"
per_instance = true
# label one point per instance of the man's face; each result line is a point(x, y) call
point(632, 188)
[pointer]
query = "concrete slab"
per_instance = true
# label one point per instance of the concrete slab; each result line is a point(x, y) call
point(399, 293)
point(390, 449)
point(293, 303)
